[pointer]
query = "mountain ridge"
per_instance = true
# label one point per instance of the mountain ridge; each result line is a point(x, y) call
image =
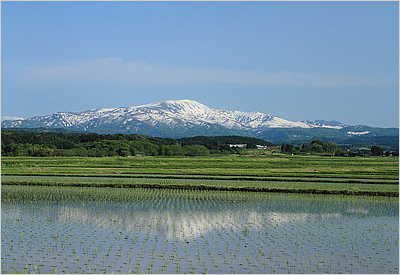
point(188, 118)
point(171, 113)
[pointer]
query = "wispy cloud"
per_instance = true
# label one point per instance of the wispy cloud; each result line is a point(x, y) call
point(140, 73)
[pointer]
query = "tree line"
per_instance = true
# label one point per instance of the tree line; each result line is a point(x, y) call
point(42, 144)
point(28, 142)
point(316, 146)
point(323, 147)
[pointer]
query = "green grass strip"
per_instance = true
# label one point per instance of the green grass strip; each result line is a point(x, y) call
point(216, 177)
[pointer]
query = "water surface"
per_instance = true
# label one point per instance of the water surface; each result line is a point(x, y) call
point(135, 230)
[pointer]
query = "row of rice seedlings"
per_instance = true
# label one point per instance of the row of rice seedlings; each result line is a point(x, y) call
point(292, 186)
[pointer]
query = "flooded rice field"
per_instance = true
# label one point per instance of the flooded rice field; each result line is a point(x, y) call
point(134, 230)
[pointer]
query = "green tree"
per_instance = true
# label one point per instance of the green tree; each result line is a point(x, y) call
point(283, 148)
point(286, 148)
point(251, 145)
point(196, 150)
point(376, 150)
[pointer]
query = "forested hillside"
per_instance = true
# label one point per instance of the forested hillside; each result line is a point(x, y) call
point(28, 143)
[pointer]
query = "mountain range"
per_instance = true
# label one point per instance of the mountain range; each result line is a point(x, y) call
point(186, 118)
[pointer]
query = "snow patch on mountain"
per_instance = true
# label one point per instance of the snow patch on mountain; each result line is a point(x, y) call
point(326, 124)
point(350, 133)
point(10, 118)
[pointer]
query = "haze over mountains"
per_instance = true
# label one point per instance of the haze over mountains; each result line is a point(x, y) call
point(184, 118)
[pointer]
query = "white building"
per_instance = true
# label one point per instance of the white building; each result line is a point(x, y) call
point(238, 145)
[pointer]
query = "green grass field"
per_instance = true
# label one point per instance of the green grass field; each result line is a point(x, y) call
point(271, 166)
point(267, 172)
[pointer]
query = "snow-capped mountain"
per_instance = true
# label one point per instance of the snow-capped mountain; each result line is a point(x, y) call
point(187, 118)
point(172, 114)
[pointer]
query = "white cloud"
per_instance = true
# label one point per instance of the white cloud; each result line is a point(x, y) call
point(140, 73)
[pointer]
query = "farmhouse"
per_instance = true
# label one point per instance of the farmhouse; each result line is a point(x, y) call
point(238, 145)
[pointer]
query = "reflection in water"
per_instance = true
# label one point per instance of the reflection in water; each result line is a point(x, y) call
point(201, 232)
point(191, 225)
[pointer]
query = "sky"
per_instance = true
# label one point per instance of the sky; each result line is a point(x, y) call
point(295, 60)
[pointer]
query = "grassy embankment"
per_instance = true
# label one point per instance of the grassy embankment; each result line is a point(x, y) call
point(281, 173)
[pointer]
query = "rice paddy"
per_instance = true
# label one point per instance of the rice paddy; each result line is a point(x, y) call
point(68, 229)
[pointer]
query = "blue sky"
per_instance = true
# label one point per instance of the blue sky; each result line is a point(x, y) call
point(296, 60)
